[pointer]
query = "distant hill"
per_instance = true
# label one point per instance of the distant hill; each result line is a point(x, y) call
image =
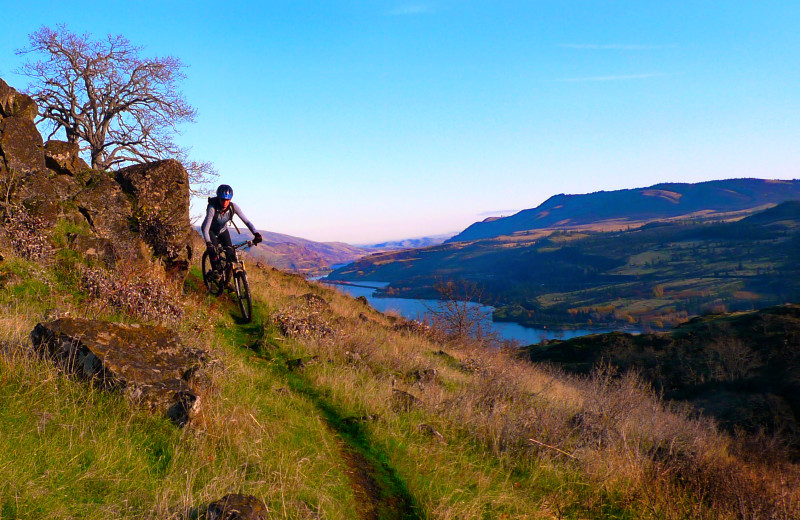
point(308, 257)
point(410, 243)
point(619, 209)
point(299, 254)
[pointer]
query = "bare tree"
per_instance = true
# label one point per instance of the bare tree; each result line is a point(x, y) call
point(459, 314)
point(121, 108)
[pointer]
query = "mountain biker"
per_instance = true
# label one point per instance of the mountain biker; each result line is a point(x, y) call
point(220, 211)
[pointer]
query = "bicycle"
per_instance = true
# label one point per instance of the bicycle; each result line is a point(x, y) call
point(218, 279)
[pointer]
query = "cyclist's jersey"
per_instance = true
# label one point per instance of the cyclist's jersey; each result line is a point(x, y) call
point(216, 220)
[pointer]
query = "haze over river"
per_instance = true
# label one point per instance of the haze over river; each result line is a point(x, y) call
point(417, 309)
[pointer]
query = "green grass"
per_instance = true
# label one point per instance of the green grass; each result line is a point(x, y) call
point(70, 450)
point(63, 228)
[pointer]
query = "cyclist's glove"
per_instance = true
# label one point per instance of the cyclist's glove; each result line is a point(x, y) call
point(257, 238)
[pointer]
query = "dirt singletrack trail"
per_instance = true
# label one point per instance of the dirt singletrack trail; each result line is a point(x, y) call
point(374, 503)
point(380, 492)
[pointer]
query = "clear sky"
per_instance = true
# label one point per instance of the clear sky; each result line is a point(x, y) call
point(363, 121)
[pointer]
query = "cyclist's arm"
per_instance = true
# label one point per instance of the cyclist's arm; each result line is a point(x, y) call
point(206, 227)
point(238, 211)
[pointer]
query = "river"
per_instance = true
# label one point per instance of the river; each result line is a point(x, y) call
point(417, 309)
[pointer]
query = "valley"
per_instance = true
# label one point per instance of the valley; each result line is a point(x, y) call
point(653, 276)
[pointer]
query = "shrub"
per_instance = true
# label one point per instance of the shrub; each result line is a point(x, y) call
point(134, 290)
point(24, 231)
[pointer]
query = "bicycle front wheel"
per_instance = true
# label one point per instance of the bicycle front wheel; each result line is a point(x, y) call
point(242, 289)
point(211, 277)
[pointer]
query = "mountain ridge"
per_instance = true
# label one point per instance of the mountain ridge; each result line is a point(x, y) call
point(618, 209)
point(408, 243)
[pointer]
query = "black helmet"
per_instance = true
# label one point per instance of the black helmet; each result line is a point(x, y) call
point(225, 192)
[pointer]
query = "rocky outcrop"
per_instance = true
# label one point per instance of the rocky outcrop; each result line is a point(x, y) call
point(22, 146)
point(237, 507)
point(160, 191)
point(23, 175)
point(108, 212)
point(14, 104)
point(93, 248)
point(139, 211)
point(148, 363)
point(64, 158)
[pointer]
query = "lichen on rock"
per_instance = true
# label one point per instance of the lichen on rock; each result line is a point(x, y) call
point(148, 363)
point(15, 104)
point(160, 194)
point(64, 158)
point(236, 506)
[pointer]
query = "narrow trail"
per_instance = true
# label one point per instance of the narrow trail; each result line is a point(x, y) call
point(380, 492)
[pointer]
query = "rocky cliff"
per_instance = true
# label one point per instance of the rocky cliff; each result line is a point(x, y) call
point(135, 213)
point(51, 201)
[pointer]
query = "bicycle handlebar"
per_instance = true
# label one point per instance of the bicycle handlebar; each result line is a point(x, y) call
point(248, 243)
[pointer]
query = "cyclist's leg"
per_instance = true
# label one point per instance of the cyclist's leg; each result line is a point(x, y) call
point(215, 240)
point(227, 245)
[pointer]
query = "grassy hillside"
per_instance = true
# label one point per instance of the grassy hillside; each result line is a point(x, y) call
point(740, 368)
point(324, 408)
point(655, 276)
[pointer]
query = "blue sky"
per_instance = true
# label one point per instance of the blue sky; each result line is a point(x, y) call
point(364, 121)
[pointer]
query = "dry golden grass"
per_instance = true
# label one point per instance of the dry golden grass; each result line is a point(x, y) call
point(658, 460)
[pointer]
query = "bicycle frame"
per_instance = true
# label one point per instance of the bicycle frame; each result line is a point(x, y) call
point(237, 262)
point(238, 265)
point(219, 276)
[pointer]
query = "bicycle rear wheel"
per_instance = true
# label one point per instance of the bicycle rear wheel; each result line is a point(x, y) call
point(211, 277)
point(242, 289)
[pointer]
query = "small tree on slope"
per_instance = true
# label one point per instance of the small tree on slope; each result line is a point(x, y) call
point(120, 107)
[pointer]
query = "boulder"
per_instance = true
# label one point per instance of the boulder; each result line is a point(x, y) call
point(237, 507)
point(108, 211)
point(403, 401)
point(64, 158)
point(148, 363)
point(21, 147)
point(23, 174)
point(65, 187)
point(160, 191)
point(15, 104)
